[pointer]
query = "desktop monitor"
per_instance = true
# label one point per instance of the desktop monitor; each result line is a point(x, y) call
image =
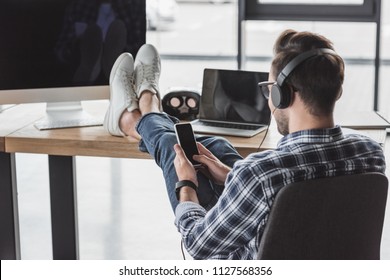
point(63, 50)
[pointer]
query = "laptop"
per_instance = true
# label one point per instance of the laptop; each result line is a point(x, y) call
point(232, 104)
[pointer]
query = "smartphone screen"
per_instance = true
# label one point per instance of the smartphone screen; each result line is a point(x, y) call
point(186, 139)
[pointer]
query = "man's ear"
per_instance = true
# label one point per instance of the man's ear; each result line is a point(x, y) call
point(293, 91)
point(340, 94)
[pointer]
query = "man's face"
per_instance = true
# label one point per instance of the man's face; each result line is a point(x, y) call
point(280, 115)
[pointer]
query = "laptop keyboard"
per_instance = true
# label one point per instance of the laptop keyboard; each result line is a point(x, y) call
point(229, 125)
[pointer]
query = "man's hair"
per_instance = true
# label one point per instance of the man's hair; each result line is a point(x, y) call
point(319, 79)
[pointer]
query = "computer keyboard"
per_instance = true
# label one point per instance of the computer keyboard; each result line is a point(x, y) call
point(230, 125)
point(52, 124)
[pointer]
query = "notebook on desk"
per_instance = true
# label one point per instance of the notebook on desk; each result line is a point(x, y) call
point(231, 103)
point(361, 120)
point(368, 123)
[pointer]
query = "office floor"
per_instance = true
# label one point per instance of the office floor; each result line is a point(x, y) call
point(123, 209)
point(122, 206)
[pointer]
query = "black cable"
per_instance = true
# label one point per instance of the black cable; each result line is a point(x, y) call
point(182, 249)
point(266, 132)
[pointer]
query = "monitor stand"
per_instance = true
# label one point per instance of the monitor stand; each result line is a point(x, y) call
point(65, 115)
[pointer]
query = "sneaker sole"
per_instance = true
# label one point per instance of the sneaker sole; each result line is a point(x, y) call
point(110, 114)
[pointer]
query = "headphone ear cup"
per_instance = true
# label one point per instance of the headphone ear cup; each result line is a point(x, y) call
point(276, 95)
point(280, 96)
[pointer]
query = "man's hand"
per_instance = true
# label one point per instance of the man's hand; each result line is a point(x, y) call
point(185, 171)
point(216, 168)
point(184, 168)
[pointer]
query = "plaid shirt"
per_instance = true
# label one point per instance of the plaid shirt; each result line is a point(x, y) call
point(232, 229)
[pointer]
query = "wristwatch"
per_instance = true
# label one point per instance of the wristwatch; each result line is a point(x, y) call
point(184, 183)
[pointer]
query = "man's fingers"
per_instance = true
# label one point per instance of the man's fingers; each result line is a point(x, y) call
point(178, 149)
point(180, 156)
point(200, 158)
point(204, 159)
point(203, 150)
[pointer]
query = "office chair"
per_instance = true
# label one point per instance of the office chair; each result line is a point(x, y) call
point(330, 218)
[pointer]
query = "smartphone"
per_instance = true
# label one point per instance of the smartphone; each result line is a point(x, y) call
point(186, 139)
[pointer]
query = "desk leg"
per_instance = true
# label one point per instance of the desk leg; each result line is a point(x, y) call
point(63, 201)
point(9, 218)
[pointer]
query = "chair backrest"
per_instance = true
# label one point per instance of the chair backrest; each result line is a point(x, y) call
point(330, 218)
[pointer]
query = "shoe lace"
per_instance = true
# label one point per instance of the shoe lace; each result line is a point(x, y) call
point(149, 73)
point(128, 82)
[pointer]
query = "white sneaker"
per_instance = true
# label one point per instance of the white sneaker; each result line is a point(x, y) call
point(122, 95)
point(147, 69)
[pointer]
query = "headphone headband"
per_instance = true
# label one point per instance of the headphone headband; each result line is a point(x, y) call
point(281, 94)
point(290, 67)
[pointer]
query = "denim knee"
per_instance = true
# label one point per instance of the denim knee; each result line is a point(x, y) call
point(163, 150)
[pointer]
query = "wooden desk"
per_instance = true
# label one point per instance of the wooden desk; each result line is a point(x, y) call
point(95, 141)
point(62, 145)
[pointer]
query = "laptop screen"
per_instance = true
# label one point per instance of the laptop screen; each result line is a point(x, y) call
point(233, 96)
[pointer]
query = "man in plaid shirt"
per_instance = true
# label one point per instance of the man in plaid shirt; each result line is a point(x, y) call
point(223, 215)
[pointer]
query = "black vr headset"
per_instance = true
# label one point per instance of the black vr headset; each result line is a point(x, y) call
point(181, 103)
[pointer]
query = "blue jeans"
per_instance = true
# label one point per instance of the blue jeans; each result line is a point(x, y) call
point(158, 138)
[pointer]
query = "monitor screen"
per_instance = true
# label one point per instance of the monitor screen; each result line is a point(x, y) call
point(66, 43)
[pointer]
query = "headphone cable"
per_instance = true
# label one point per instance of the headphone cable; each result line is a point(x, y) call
point(266, 132)
point(182, 249)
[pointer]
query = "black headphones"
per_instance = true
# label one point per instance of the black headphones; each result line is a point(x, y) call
point(280, 92)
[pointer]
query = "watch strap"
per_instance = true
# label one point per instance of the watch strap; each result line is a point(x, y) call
point(184, 183)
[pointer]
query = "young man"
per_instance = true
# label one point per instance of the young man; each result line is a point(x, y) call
point(225, 216)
